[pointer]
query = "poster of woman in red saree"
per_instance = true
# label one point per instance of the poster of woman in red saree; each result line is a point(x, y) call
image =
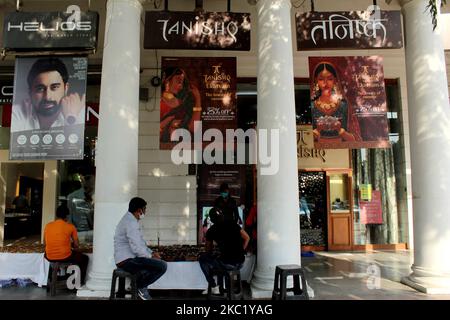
point(180, 103)
point(333, 122)
point(348, 102)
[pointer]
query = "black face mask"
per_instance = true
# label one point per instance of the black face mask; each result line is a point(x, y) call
point(43, 108)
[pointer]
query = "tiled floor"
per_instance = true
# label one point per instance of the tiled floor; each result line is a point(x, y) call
point(332, 276)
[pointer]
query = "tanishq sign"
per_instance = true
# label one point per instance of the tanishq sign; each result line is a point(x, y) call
point(346, 30)
point(197, 30)
point(28, 31)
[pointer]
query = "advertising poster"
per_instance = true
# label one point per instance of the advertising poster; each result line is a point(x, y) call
point(348, 102)
point(371, 212)
point(197, 89)
point(210, 178)
point(49, 104)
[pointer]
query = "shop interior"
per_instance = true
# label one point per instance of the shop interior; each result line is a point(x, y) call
point(23, 193)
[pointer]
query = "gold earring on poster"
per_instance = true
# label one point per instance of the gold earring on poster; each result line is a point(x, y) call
point(167, 94)
point(316, 87)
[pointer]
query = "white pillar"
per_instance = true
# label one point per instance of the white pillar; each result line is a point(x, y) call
point(117, 148)
point(429, 121)
point(278, 202)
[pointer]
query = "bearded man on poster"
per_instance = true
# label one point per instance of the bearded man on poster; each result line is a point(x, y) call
point(49, 104)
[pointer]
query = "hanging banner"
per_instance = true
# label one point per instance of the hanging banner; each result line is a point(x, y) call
point(349, 30)
point(197, 89)
point(197, 30)
point(371, 211)
point(28, 31)
point(48, 112)
point(348, 102)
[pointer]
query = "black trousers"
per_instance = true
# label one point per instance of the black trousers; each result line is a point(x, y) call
point(79, 259)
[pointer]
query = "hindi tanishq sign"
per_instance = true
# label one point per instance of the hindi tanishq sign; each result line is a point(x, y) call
point(348, 30)
point(197, 30)
point(348, 102)
point(48, 110)
point(197, 89)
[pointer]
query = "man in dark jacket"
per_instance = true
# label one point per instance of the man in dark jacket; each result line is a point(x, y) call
point(226, 204)
point(231, 241)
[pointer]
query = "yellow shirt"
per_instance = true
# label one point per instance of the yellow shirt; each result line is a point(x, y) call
point(58, 237)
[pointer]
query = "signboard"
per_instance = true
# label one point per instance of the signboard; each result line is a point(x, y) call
point(365, 192)
point(311, 158)
point(30, 31)
point(371, 211)
point(48, 113)
point(197, 89)
point(349, 30)
point(348, 102)
point(197, 30)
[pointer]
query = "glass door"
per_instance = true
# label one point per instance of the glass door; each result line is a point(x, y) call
point(313, 210)
point(340, 210)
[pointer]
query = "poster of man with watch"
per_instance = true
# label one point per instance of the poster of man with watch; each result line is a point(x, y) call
point(48, 112)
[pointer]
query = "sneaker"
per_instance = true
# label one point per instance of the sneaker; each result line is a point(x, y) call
point(214, 290)
point(143, 294)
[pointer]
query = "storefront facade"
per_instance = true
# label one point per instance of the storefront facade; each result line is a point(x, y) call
point(127, 133)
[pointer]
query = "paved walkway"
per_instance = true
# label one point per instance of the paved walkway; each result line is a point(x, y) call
point(332, 276)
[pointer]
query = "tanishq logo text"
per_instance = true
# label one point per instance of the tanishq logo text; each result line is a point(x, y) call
point(200, 28)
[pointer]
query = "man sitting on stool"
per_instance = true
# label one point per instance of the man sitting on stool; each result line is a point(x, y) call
point(131, 252)
point(61, 242)
point(231, 240)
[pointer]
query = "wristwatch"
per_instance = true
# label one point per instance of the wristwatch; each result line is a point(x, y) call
point(71, 119)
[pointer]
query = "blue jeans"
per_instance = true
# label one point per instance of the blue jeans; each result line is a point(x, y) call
point(148, 270)
point(208, 262)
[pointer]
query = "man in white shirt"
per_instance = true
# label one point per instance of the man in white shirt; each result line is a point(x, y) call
point(48, 105)
point(131, 252)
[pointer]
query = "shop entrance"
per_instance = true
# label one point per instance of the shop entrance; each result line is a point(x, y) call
point(22, 200)
point(326, 210)
point(313, 210)
point(340, 210)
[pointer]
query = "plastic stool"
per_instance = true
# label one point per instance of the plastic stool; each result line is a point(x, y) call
point(121, 292)
point(233, 285)
point(280, 286)
point(52, 280)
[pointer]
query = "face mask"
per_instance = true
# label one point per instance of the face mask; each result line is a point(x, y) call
point(141, 215)
point(224, 194)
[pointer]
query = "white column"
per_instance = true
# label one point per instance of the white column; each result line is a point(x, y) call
point(117, 149)
point(278, 202)
point(429, 121)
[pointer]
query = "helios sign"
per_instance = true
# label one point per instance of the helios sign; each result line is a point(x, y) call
point(29, 31)
point(349, 30)
point(197, 30)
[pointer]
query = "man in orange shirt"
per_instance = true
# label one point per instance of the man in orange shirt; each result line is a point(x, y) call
point(61, 242)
